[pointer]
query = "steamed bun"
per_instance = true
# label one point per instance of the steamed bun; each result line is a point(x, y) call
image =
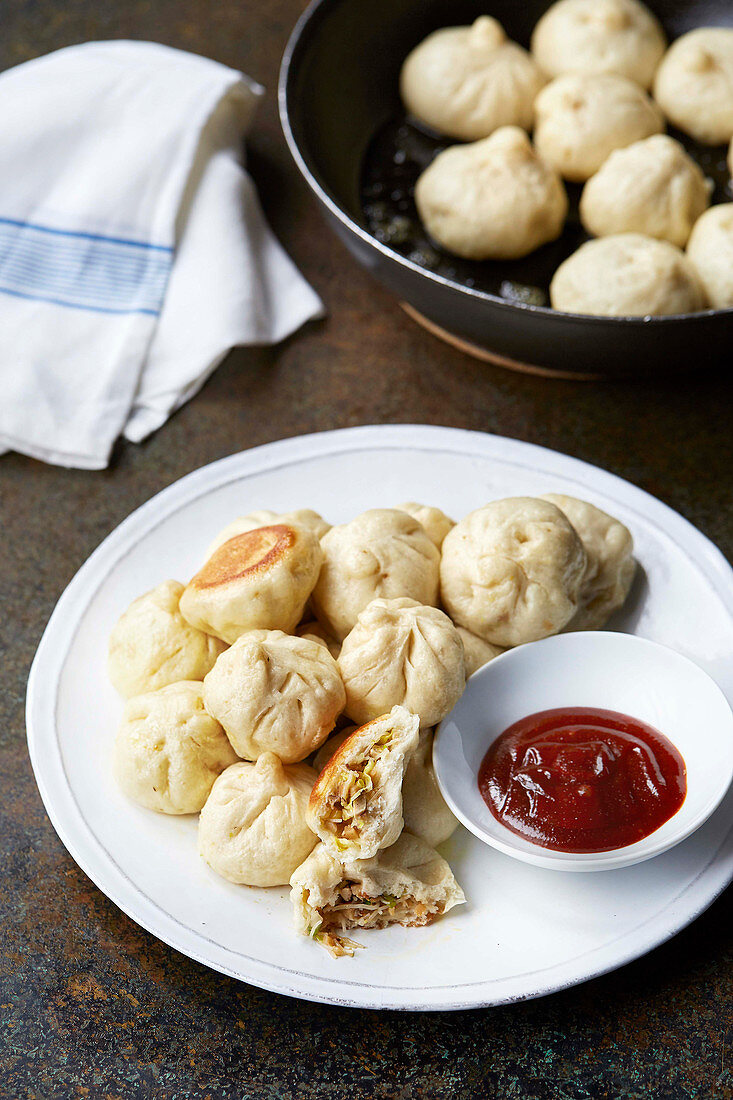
point(492, 200)
point(599, 36)
point(467, 81)
point(627, 275)
point(252, 829)
point(710, 249)
point(402, 653)
point(611, 566)
point(423, 806)
point(436, 523)
point(477, 652)
point(383, 552)
point(168, 750)
point(152, 645)
point(583, 117)
point(260, 579)
point(694, 84)
point(318, 633)
point(651, 187)
point(511, 572)
point(275, 693)
point(303, 517)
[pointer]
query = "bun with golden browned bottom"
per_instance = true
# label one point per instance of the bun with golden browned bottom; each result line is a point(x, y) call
point(356, 805)
point(303, 517)
point(259, 580)
point(423, 806)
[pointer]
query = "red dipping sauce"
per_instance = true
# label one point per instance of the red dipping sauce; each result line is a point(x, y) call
point(579, 779)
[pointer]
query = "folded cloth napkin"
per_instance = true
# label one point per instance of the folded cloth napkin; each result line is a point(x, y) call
point(133, 250)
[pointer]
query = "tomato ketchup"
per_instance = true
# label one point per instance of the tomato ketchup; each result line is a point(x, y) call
point(581, 779)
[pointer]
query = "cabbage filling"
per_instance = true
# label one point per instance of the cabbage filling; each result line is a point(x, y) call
point(352, 908)
point(349, 799)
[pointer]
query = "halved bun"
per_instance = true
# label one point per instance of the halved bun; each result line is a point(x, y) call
point(407, 883)
point(356, 805)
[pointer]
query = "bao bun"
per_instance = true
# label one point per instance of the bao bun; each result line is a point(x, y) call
point(494, 199)
point(599, 36)
point(651, 187)
point(627, 275)
point(582, 118)
point(610, 567)
point(152, 645)
point(355, 807)
point(168, 750)
point(275, 693)
point(402, 653)
point(260, 579)
point(382, 553)
point(423, 806)
point(466, 82)
point(694, 84)
point(511, 572)
point(710, 249)
point(252, 829)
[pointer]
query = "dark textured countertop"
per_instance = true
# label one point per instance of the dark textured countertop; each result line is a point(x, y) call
point(91, 1005)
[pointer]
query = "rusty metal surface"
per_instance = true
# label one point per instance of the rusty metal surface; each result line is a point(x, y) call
point(92, 1006)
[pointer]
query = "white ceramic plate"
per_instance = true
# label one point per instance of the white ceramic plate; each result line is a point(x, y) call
point(525, 931)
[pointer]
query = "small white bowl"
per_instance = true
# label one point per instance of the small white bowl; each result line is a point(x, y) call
point(595, 669)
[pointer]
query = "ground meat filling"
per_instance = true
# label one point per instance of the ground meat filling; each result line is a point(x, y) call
point(349, 800)
point(352, 908)
point(355, 909)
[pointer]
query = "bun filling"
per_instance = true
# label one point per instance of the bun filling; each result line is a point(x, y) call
point(349, 802)
point(352, 907)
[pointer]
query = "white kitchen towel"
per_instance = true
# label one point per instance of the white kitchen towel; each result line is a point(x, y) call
point(133, 250)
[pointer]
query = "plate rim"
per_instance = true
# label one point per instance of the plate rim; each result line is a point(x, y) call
point(429, 438)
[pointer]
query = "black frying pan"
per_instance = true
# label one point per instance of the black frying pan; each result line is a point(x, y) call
point(343, 120)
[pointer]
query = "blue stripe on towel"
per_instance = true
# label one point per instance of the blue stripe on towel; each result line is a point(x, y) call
point(82, 270)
